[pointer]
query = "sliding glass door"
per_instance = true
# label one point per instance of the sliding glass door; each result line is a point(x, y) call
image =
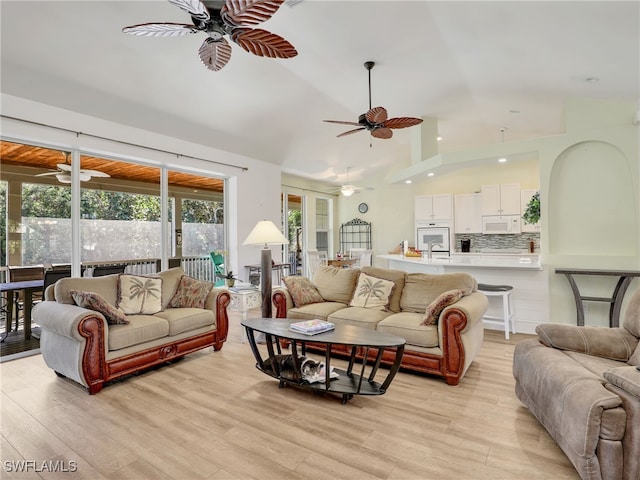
point(121, 211)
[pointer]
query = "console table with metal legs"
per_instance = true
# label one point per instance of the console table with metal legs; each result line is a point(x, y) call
point(625, 279)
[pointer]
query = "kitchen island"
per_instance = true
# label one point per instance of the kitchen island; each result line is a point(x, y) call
point(524, 272)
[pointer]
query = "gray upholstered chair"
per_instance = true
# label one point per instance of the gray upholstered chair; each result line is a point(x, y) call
point(582, 385)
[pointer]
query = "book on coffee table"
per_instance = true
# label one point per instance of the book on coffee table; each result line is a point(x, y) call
point(311, 327)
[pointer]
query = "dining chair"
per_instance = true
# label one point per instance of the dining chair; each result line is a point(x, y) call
point(363, 257)
point(314, 260)
point(102, 270)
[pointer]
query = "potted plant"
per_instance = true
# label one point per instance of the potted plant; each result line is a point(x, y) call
point(230, 279)
point(531, 214)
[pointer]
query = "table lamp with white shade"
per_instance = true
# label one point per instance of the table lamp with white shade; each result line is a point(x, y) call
point(265, 233)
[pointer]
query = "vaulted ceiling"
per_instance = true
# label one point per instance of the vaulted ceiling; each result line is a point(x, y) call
point(475, 66)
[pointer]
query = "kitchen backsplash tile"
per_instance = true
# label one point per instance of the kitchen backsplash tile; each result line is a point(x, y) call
point(481, 242)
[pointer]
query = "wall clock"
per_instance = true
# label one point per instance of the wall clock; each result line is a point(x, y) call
point(363, 208)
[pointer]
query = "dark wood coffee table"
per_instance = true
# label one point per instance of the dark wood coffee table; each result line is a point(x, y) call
point(349, 383)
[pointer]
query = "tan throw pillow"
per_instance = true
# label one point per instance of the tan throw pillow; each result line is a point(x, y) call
point(302, 291)
point(371, 292)
point(420, 289)
point(96, 302)
point(191, 293)
point(435, 308)
point(336, 284)
point(139, 295)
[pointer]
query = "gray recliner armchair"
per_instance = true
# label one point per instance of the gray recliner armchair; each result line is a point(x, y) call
point(582, 385)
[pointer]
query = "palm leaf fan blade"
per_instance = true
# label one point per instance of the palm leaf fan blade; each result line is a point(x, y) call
point(349, 132)
point(195, 8)
point(215, 54)
point(249, 12)
point(402, 122)
point(341, 122)
point(384, 133)
point(376, 115)
point(160, 29)
point(263, 43)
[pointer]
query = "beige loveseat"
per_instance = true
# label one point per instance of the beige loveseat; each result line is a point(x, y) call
point(582, 385)
point(79, 343)
point(445, 348)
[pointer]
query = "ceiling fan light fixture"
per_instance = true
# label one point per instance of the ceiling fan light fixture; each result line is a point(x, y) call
point(347, 190)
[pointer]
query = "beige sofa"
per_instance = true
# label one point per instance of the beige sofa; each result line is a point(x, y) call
point(79, 344)
point(446, 348)
point(582, 385)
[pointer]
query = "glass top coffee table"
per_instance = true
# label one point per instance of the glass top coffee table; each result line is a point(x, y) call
point(348, 382)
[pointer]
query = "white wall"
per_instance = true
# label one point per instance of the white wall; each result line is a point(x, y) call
point(252, 195)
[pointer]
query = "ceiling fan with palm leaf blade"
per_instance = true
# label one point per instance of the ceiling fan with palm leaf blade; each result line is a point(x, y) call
point(349, 189)
point(63, 172)
point(218, 19)
point(376, 119)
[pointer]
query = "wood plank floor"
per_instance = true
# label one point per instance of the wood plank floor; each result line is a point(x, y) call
point(213, 415)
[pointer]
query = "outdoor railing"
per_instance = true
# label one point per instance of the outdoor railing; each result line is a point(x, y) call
point(195, 266)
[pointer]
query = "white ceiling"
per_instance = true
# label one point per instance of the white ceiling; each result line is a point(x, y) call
point(475, 66)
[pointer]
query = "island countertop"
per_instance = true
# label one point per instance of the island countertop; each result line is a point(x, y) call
point(524, 272)
point(468, 260)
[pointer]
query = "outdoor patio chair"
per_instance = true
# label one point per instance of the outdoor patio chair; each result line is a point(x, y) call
point(52, 276)
point(102, 270)
point(218, 268)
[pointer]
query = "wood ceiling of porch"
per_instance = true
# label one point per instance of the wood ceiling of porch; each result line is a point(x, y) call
point(46, 159)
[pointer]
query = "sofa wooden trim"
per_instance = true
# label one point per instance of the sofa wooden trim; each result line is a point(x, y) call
point(449, 365)
point(97, 370)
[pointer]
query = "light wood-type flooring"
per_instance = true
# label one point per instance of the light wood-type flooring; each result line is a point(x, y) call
point(213, 415)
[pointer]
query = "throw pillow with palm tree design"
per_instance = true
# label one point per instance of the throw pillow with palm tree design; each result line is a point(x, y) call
point(371, 292)
point(139, 294)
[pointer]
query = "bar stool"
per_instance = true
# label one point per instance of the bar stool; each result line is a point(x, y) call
point(507, 317)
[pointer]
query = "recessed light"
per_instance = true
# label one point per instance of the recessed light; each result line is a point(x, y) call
point(439, 138)
point(407, 181)
point(430, 174)
point(502, 160)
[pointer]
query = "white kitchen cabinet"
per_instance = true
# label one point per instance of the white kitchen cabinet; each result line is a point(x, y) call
point(525, 196)
point(434, 207)
point(503, 199)
point(468, 213)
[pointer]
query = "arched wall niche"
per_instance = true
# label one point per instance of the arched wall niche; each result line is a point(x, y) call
point(592, 210)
